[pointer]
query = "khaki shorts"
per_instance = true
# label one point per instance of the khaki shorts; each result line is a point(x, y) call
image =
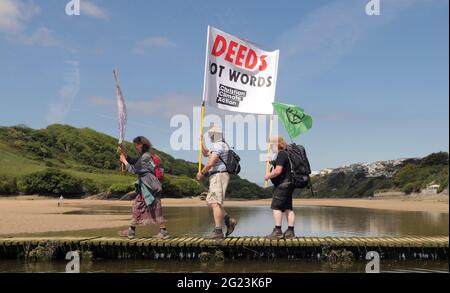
point(218, 184)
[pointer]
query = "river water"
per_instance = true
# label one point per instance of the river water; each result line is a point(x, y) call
point(257, 221)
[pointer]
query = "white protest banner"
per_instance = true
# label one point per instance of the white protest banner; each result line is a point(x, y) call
point(239, 76)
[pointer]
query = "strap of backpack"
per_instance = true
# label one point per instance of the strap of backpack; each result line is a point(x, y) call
point(220, 157)
point(291, 175)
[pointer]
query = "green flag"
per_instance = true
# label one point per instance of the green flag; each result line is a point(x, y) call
point(294, 119)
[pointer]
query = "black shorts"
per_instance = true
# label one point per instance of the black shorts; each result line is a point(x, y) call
point(282, 197)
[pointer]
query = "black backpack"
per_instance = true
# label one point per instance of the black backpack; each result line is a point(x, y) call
point(232, 164)
point(300, 167)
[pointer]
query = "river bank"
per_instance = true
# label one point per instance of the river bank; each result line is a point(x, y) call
point(32, 214)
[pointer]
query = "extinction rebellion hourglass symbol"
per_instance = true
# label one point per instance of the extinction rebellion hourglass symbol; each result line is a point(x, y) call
point(294, 116)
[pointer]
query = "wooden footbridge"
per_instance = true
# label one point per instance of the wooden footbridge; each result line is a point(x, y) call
point(234, 247)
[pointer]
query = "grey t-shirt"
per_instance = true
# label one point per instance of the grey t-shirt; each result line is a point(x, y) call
point(220, 148)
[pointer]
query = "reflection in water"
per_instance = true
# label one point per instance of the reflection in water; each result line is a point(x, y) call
point(310, 221)
point(237, 266)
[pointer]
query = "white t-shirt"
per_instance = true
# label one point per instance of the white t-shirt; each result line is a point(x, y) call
point(220, 148)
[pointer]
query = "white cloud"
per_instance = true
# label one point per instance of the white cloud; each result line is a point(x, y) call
point(91, 9)
point(41, 37)
point(58, 110)
point(99, 101)
point(14, 14)
point(331, 31)
point(165, 106)
point(143, 45)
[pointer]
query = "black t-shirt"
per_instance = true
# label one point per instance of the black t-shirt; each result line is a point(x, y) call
point(281, 160)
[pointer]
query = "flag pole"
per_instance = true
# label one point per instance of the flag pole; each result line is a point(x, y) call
point(266, 183)
point(201, 140)
point(202, 118)
point(116, 78)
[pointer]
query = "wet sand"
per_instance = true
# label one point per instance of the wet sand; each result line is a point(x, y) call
point(31, 214)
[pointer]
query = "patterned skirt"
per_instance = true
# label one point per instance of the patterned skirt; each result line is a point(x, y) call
point(143, 214)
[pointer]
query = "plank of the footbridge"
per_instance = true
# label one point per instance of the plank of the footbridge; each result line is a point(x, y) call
point(435, 240)
point(288, 243)
point(198, 242)
point(328, 240)
point(430, 242)
point(381, 242)
point(443, 241)
point(209, 242)
point(174, 242)
point(160, 243)
point(225, 241)
point(414, 241)
point(395, 241)
point(407, 241)
point(141, 242)
point(321, 240)
point(340, 241)
point(150, 242)
point(233, 241)
point(182, 243)
point(301, 241)
point(347, 241)
point(418, 241)
point(385, 242)
point(192, 241)
point(247, 241)
point(133, 242)
point(295, 242)
point(315, 241)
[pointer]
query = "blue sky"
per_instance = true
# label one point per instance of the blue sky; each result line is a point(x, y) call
point(377, 86)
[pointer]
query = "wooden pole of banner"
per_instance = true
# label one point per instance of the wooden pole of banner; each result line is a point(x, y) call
point(266, 183)
point(201, 138)
point(116, 78)
point(203, 104)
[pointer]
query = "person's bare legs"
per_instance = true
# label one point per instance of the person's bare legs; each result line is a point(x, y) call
point(218, 213)
point(290, 217)
point(278, 217)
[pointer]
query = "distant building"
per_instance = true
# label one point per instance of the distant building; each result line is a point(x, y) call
point(432, 188)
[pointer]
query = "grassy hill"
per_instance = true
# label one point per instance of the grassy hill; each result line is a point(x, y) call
point(364, 180)
point(90, 161)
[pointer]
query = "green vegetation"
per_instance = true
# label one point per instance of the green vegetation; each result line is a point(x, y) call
point(181, 186)
point(51, 182)
point(410, 177)
point(8, 185)
point(62, 159)
point(432, 169)
point(120, 188)
point(88, 160)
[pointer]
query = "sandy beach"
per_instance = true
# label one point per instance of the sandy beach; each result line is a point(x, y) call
point(32, 214)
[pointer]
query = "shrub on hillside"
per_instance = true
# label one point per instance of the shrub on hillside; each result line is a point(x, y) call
point(51, 182)
point(8, 186)
point(90, 187)
point(181, 186)
point(120, 188)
